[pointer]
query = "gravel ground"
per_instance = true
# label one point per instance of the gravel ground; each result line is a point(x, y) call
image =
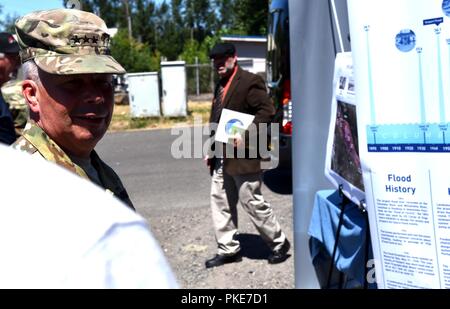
point(187, 238)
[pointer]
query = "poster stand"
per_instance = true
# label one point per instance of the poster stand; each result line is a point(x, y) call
point(344, 202)
point(362, 207)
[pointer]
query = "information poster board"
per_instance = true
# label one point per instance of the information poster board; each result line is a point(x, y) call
point(342, 165)
point(401, 53)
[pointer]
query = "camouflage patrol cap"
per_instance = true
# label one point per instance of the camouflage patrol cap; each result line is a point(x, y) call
point(66, 41)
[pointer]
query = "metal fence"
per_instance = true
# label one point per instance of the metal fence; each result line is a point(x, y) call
point(200, 78)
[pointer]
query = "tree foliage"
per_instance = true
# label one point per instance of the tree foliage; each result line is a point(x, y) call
point(143, 23)
point(182, 28)
point(132, 55)
point(251, 16)
point(227, 18)
point(7, 24)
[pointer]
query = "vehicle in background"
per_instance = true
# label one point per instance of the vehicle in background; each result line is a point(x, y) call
point(279, 75)
point(120, 90)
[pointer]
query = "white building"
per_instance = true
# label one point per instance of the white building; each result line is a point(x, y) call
point(251, 51)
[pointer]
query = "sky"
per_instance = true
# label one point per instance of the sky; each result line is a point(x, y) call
point(22, 7)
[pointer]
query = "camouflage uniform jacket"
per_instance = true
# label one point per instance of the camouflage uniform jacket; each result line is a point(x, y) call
point(35, 140)
point(12, 93)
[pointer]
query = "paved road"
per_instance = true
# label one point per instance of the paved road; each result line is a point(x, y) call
point(153, 178)
point(174, 196)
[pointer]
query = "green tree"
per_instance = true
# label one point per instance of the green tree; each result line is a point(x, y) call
point(171, 39)
point(200, 18)
point(132, 55)
point(177, 13)
point(251, 16)
point(170, 27)
point(193, 50)
point(226, 16)
point(87, 5)
point(7, 24)
point(144, 25)
point(111, 11)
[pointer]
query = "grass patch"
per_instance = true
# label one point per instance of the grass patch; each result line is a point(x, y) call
point(142, 123)
point(200, 109)
point(122, 121)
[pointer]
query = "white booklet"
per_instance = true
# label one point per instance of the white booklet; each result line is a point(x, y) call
point(232, 123)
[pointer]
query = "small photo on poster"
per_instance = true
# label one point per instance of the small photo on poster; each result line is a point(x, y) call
point(342, 82)
point(351, 86)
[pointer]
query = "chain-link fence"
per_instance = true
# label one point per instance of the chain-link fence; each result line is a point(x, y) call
point(200, 79)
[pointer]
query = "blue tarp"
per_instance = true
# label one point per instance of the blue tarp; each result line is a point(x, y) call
point(351, 253)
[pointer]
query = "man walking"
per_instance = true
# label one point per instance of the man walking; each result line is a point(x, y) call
point(238, 180)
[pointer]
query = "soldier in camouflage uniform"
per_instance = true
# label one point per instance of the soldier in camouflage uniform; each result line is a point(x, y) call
point(68, 87)
point(12, 94)
point(9, 62)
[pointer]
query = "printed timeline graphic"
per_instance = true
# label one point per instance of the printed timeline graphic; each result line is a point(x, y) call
point(424, 136)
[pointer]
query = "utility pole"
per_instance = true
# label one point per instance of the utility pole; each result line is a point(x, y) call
point(127, 12)
point(197, 76)
point(156, 35)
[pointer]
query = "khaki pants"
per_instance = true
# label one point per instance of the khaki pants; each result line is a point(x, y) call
point(226, 192)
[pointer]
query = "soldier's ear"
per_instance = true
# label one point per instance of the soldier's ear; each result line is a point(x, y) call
point(30, 91)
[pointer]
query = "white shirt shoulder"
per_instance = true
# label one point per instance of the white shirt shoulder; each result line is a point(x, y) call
point(58, 230)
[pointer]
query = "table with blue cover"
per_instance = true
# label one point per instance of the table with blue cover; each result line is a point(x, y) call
point(350, 256)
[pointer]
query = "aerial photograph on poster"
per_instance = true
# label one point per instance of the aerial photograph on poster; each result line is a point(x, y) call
point(345, 156)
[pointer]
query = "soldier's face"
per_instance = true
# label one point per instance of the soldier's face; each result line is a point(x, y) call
point(75, 110)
